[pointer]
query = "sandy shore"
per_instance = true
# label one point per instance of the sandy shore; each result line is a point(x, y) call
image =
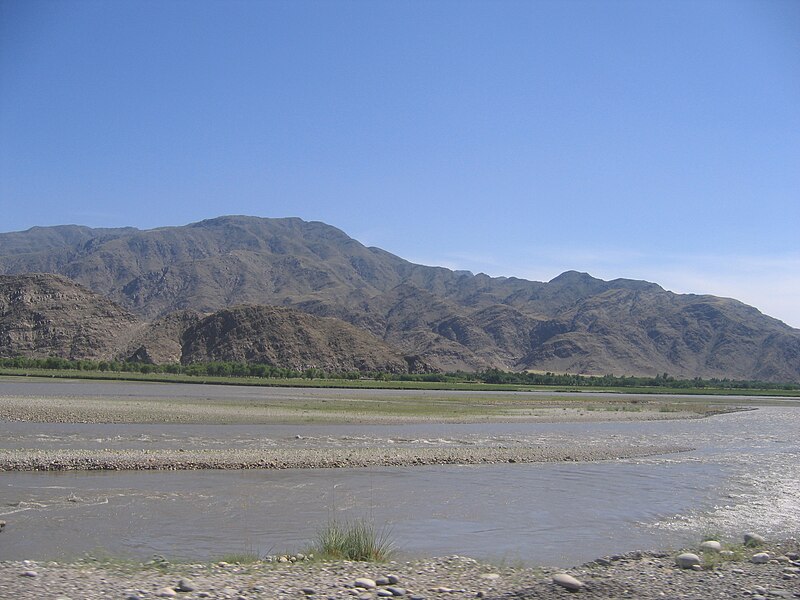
point(639, 575)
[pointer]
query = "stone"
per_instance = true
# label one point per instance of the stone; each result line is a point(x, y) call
point(687, 560)
point(396, 591)
point(309, 591)
point(384, 593)
point(166, 593)
point(382, 581)
point(753, 539)
point(185, 585)
point(490, 576)
point(711, 545)
point(760, 559)
point(727, 553)
point(366, 583)
point(567, 581)
point(2, 525)
point(393, 579)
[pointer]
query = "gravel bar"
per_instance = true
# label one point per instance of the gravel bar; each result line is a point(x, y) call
point(637, 575)
point(312, 458)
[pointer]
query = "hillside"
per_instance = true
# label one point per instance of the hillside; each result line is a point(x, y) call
point(451, 319)
point(44, 315)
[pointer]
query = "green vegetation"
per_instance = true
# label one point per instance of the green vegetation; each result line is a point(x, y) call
point(356, 540)
point(242, 373)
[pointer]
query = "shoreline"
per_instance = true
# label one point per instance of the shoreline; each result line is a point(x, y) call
point(640, 575)
point(20, 460)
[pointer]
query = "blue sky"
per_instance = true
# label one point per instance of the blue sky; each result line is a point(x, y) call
point(650, 140)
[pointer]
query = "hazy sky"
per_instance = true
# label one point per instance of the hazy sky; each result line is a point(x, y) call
point(650, 140)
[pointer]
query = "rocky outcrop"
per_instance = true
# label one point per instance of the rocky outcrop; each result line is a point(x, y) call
point(49, 315)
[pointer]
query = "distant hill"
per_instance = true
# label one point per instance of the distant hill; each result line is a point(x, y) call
point(450, 319)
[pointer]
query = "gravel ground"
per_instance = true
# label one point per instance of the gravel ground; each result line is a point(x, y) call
point(116, 460)
point(639, 575)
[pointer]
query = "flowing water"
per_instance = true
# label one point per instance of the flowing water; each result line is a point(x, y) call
point(744, 475)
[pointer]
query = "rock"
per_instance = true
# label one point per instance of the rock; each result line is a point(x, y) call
point(711, 545)
point(366, 583)
point(185, 585)
point(753, 539)
point(166, 593)
point(382, 581)
point(727, 553)
point(2, 525)
point(384, 594)
point(393, 579)
point(396, 591)
point(687, 560)
point(760, 558)
point(309, 591)
point(30, 574)
point(490, 576)
point(697, 567)
point(567, 581)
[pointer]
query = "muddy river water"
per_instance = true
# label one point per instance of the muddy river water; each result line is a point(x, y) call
point(744, 475)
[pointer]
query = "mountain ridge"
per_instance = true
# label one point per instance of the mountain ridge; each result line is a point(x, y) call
point(451, 319)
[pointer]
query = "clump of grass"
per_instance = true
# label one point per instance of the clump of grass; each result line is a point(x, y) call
point(353, 540)
point(239, 558)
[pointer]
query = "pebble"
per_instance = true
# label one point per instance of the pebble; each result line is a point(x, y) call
point(567, 581)
point(166, 593)
point(711, 545)
point(366, 583)
point(687, 560)
point(185, 585)
point(393, 579)
point(396, 591)
point(490, 576)
point(760, 558)
point(309, 591)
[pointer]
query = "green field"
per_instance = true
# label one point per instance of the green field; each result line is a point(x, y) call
point(383, 384)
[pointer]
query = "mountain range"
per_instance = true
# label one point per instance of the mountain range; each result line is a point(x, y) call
point(304, 294)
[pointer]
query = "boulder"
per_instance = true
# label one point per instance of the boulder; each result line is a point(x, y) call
point(567, 581)
point(687, 560)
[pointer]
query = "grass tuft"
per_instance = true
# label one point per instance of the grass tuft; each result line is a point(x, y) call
point(354, 540)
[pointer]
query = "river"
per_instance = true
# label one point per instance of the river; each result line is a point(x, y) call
point(744, 475)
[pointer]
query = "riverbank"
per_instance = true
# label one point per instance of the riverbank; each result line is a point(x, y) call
point(314, 458)
point(640, 575)
point(124, 403)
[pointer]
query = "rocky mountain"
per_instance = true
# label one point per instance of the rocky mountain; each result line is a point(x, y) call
point(451, 319)
point(49, 315)
point(44, 315)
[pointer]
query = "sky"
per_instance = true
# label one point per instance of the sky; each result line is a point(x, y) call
point(646, 140)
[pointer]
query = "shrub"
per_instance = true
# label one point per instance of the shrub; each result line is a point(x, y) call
point(356, 540)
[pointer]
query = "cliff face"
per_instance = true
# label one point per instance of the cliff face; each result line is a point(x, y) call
point(451, 319)
point(49, 315)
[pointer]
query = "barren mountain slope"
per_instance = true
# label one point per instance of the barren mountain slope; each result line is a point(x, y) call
point(452, 319)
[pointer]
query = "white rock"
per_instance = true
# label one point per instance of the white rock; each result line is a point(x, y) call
point(366, 583)
point(185, 585)
point(166, 593)
point(567, 581)
point(490, 576)
point(711, 545)
point(687, 560)
point(760, 558)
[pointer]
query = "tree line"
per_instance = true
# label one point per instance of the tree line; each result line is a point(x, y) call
point(487, 376)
